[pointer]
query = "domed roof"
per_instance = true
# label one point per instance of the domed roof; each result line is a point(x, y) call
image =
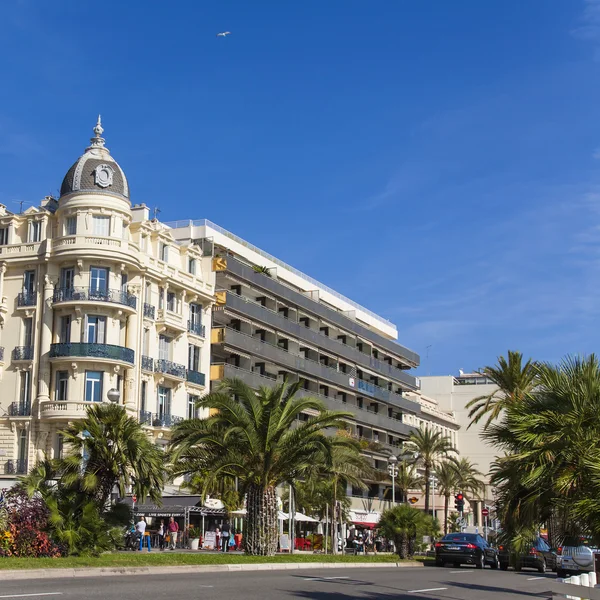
point(96, 171)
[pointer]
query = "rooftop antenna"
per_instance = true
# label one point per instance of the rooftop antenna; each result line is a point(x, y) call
point(427, 359)
point(156, 212)
point(20, 203)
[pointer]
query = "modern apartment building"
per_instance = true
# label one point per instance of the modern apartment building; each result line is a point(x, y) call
point(273, 322)
point(453, 393)
point(96, 296)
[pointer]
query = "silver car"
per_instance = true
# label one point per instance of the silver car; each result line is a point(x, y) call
point(576, 556)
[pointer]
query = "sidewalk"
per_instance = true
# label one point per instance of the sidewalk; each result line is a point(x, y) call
point(59, 573)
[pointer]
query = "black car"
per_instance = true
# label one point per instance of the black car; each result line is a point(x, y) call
point(540, 557)
point(465, 548)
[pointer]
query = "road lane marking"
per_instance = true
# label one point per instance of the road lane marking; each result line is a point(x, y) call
point(534, 578)
point(463, 571)
point(426, 590)
point(323, 578)
point(31, 595)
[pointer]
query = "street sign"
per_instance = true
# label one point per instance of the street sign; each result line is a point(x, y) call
point(413, 500)
point(485, 512)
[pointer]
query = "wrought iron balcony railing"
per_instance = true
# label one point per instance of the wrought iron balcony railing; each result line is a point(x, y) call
point(19, 409)
point(197, 328)
point(158, 419)
point(15, 467)
point(170, 368)
point(27, 299)
point(82, 350)
point(147, 363)
point(22, 353)
point(95, 295)
point(149, 311)
point(196, 377)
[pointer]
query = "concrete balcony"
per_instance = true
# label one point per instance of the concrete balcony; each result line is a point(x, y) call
point(24, 249)
point(255, 347)
point(64, 410)
point(334, 317)
point(89, 296)
point(170, 321)
point(264, 315)
point(93, 352)
point(361, 416)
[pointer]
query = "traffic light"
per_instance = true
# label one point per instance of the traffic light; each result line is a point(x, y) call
point(459, 502)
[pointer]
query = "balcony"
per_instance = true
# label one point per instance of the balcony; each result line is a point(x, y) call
point(361, 416)
point(196, 378)
point(171, 369)
point(197, 329)
point(158, 419)
point(22, 353)
point(86, 294)
point(27, 299)
point(147, 363)
point(64, 410)
point(265, 315)
point(334, 317)
point(19, 409)
point(15, 467)
point(255, 347)
point(149, 311)
point(93, 351)
point(167, 320)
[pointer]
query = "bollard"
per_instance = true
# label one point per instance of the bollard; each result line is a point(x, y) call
point(593, 578)
point(575, 580)
point(585, 580)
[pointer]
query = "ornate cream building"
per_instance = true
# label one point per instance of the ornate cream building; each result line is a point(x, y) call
point(95, 297)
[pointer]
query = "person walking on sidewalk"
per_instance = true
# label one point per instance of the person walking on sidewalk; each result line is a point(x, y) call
point(140, 528)
point(225, 533)
point(161, 534)
point(173, 529)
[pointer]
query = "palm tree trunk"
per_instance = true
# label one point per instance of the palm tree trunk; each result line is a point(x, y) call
point(427, 472)
point(334, 549)
point(446, 508)
point(261, 532)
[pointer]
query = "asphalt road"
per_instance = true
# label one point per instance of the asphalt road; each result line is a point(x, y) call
point(332, 584)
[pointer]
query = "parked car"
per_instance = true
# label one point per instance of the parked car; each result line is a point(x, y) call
point(465, 548)
point(540, 557)
point(576, 555)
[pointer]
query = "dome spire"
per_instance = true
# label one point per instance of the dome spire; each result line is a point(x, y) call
point(98, 141)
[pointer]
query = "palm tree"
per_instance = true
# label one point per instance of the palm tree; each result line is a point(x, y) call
point(551, 444)
point(447, 481)
point(109, 448)
point(404, 524)
point(428, 447)
point(514, 380)
point(408, 478)
point(468, 477)
point(257, 436)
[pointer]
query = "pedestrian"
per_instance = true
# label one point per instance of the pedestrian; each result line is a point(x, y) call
point(140, 528)
point(225, 532)
point(161, 534)
point(217, 538)
point(173, 528)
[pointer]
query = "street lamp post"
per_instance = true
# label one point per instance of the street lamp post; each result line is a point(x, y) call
point(393, 471)
point(433, 481)
point(113, 395)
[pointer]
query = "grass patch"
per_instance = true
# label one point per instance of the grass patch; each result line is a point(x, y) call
point(175, 558)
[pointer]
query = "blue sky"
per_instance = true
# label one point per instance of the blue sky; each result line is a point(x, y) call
point(438, 162)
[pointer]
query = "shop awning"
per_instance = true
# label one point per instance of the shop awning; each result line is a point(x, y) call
point(362, 518)
point(299, 517)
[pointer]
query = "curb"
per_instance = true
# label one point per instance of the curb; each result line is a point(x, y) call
point(16, 574)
